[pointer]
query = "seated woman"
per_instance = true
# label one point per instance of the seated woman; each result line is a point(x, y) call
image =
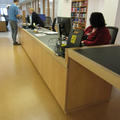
point(97, 33)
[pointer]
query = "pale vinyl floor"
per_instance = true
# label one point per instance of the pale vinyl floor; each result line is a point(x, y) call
point(24, 96)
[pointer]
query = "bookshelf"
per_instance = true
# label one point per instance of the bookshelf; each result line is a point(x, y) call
point(79, 13)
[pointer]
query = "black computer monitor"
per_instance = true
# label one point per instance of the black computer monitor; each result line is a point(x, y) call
point(65, 25)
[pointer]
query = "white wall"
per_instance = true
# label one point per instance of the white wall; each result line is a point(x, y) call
point(51, 9)
point(110, 10)
point(41, 6)
point(107, 7)
point(6, 1)
point(46, 7)
point(117, 23)
point(94, 6)
point(64, 8)
point(24, 7)
point(56, 7)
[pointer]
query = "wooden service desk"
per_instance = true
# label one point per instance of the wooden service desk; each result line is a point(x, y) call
point(3, 27)
point(93, 71)
point(71, 83)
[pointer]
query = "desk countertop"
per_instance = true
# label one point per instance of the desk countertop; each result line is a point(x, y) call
point(48, 40)
point(108, 57)
point(2, 19)
point(103, 61)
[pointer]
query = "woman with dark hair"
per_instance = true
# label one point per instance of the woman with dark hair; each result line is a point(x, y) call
point(97, 33)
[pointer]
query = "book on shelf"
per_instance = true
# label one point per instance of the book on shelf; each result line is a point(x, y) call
point(79, 13)
point(79, 9)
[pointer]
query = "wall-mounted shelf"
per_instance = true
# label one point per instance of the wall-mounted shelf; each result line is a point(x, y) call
point(79, 13)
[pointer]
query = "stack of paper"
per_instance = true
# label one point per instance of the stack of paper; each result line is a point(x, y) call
point(39, 35)
point(51, 33)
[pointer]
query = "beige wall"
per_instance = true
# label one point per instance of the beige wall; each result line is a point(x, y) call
point(51, 9)
point(110, 11)
point(112, 15)
point(41, 7)
point(107, 7)
point(94, 6)
point(117, 23)
point(64, 8)
point(56, 7)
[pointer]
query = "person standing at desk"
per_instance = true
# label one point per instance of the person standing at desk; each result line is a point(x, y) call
point(97, 33)
point(13, 17)
point(35, 19)
point(6, 20)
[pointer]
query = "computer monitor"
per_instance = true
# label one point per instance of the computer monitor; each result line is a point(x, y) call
point(65, 25)
point(42, 16)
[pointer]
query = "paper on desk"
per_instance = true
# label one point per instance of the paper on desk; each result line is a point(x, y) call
point(51, 33)
point(39, 35)
point(41, 31)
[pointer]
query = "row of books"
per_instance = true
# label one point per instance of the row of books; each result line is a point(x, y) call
point(79, 4)
point(79, 15)
point(78, 20)
point(79, 9)
point(79, 12)
point(77, 26)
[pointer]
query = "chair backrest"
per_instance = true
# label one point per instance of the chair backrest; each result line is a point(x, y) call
point(113, 32)
point(53, 25)
point(75, 38)
point(48, 21)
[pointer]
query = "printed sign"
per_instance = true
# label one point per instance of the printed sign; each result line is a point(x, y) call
point(73, 39)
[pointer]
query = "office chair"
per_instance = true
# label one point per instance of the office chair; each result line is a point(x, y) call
point(53, 25)
point(48, 22)
point(113, 32)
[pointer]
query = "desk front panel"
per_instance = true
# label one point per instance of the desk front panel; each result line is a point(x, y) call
point(52, 68)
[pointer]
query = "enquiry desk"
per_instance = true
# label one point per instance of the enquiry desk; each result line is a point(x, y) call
point(103, 62)
point(2, 24)
point(70, 80)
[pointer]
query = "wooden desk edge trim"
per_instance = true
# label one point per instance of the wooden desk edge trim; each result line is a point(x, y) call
point(96, 68)
point(100, 46)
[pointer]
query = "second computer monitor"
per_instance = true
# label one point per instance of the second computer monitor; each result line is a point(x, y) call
point(65, 25)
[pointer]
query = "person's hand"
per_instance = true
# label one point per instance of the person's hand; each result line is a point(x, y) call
point(88, 34)
point(19, 16)
point(94, 29)
point(82, 42)
point(66, 38)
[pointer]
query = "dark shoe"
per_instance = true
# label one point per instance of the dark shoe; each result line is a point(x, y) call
point(16, 43)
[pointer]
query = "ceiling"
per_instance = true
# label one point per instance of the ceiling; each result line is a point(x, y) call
point(4, 3)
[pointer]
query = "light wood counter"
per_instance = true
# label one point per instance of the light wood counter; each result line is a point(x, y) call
point(109, 74)
point(3, 27)
point(73, 86)
point(52, 68)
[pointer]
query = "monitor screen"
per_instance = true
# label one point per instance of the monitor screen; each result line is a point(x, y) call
point(65, 25)
point(42, 16)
